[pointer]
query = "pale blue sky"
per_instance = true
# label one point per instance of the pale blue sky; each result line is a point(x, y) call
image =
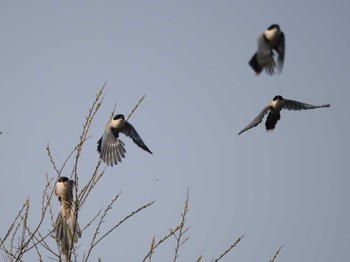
point(190, 59)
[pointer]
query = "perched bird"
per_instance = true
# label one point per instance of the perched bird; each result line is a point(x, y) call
point(272, 39)
point(273, 108)
point(110, 147)
point(66, 224)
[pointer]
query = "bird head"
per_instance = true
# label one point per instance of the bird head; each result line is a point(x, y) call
point(274, 26)
point(63, 179)
point(277, 98)
point(119, 116)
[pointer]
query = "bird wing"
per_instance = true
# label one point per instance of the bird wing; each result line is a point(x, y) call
point(265, 55)
point(111, 148)
point(295, 105)
point(70, 187)
point(257, 120)
point(67, 194)
point(131, 132)
point(281, 49)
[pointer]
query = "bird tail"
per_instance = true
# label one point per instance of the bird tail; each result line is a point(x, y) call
point(255, 64)
point(67, 230)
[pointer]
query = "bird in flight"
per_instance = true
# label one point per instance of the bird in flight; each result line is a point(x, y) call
point(110, 147)
point(273, 108)
point(271, 40)
point(66, 224)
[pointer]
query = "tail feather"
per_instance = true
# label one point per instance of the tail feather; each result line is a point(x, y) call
point(67, 231)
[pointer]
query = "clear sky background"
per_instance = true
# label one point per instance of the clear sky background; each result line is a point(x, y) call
point(190, 59)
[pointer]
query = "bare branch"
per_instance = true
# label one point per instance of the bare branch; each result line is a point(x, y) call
point(94, 243)
point(182, 230)
point(137, 105)
point(276, 254)
point(229, 249)
point(154, 246)
point(2, 241)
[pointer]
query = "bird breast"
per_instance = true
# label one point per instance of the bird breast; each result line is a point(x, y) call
point(272, 35)
point(276, 105)
point(117, 124)
point(60, 190)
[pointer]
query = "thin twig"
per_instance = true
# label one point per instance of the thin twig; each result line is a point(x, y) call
point(182, 230)
point(229, 249)
point(154, 246)
point(137, 105)
point(113, 112)
point(91, 221)
point(84, 193)
point(101, 221)
point(117, 225)
point(276, 254)
point(14, 222)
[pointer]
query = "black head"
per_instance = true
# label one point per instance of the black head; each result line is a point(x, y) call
point(63, 179)
point(277, 98)
point(119, 116)
point(274, 26)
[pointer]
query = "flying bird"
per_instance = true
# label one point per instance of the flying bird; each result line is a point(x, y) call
point(273, 108)
point(110, 147)
point(271, 40)
point(67, 229)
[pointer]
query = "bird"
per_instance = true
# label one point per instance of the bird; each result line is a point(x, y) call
point(274, 107)
point(271, 40)
point(66, 225)
point(110, 147)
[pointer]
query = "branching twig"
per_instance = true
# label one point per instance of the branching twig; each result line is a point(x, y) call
point(2, 241)
point(101, 221)
point(123, 220)
point(91, 221)
point(154, 246)
point(84, 193)
point(182, 230)
point(94, 242)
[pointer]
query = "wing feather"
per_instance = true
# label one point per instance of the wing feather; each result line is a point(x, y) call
point(265, 55)
point(281, 49)
point(111, 148)
point(257, 120)
point(296, 105)
point(131, 132)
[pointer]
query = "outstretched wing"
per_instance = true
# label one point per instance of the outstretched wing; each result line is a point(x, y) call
point(111, 148)
point(281, 49)
point(264, 55)
point(257, 120)
point(295, 105)
point(130, 131)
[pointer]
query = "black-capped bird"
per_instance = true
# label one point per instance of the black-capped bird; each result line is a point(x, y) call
point(67, 229)
point(273, 108)
point(110, 147)
point(271, 40)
